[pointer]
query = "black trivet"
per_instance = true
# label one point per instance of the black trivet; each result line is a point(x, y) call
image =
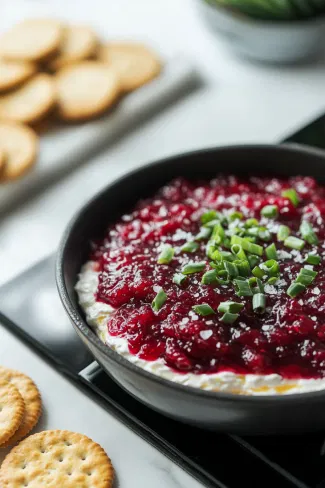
point(30, 307)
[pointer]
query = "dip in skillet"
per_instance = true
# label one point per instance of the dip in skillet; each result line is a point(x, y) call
point(217, 285)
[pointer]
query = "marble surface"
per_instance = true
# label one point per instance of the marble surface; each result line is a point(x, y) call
point(240, 102)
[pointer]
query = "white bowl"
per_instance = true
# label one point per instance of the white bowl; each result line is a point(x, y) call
point(276, 42)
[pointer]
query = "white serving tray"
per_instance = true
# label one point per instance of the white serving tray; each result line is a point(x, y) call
point(64, 148)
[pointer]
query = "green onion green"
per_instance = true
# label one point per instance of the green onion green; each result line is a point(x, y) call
point(166, 255)
point(307, 233)
point(236, 216)
point(271, 252)
point(159, 300)
point(179, 279)
point(294, 243)
point(242, 288)
point(203, 234)
point(295, 289)
point(208, 216)
point(270, 211)
point(238, 251)
point(231, 269)
point(232, 307)
point(203, 309)
point(247, 245)
point(229, 318)
point(259, 302)
point(292, 195)
point(313, 259)
point(283, 232)
point(258, 272)
point(251, 222)
point(210, 277)
point(271, 267)
point(190, 247)
point(193, 267)
point(253, 260)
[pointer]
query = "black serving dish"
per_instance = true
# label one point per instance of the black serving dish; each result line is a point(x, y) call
point(214, 410)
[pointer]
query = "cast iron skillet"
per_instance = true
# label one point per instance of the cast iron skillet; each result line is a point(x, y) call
point(220, 411)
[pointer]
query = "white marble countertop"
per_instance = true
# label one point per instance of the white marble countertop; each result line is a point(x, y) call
point(241, 102)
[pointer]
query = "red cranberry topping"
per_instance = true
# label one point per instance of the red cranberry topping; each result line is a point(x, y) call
point(289, 338)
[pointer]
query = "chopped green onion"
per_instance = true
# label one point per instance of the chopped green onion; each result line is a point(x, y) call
point(204, 234)
point(191, 268)
point(242, 288)
point(260, 286)
point(212, 223)
point(258, 272)
point(306, 276)
point(227, 256)
point(251, 222)
point(208, 216)
point(229, 318)
point(247, 245)
point(294, 243)
point(203, 309)
point(253, 260)
point(232, 307)
point(252, 231)
point(231, 269)
point(190, 247)
point(179, 279)
point(270, 211)
point(256, 281)
point(291, 195)
point(272, 280)
point(236, 216)
point(210, 277)
point(159, 300)
point(218, 233)
point(313, 259)
point(271, 252)
point(308, 233)
point(271, 267)
point(259, 302)
point(294, 289)
point(226, 243)
point(238, 251)
point(243, 268)
point(264, 234)
point(283, 232)
point(166, 255)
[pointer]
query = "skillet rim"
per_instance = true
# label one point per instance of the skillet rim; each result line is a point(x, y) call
point(89, 334)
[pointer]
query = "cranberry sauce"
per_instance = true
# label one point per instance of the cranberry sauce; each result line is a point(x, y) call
point(286, 337)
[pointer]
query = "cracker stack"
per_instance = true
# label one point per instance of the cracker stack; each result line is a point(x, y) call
point(52, 71)
point(52, 458)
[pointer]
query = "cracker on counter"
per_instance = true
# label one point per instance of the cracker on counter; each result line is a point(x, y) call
point(13, 73)
point(86, 90)
point(79, 43)
point(134, 63)
point(11, 410)
point(32, 400)
point(30, 102)
point(57, 458)
point(20, 146)
point(31, 40)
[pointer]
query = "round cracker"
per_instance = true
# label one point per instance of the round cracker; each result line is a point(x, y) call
point(135, 64)
point(31, 40)
point(20, 145)
point(57, 458)
point(85, 90)
point(30, 102)
point(13, 73)
point(32, 400)
point(11, 410)
point(79, 43)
